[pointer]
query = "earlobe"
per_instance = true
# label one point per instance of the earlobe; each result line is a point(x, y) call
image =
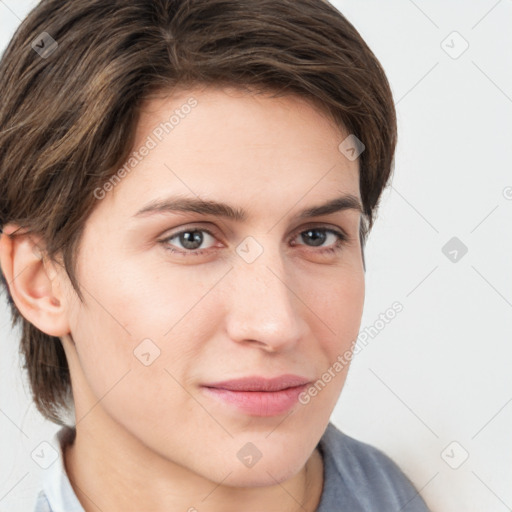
point(33, 282)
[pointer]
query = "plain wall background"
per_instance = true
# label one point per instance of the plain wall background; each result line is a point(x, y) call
point(434, 385)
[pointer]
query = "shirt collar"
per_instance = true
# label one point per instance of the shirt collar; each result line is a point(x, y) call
point(56, 485)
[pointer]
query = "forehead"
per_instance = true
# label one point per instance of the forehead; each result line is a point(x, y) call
point(229, 143)
point(229, 116)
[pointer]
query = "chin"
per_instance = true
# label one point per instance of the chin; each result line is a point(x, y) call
point(263, 476)
point(273, 467)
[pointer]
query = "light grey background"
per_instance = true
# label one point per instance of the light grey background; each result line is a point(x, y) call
point(435, 384)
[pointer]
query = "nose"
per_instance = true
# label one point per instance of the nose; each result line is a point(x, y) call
point(265, 310)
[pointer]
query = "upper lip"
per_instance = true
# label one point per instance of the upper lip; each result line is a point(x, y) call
point(256, 383)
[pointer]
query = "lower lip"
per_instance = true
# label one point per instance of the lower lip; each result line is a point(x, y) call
point(259, 403)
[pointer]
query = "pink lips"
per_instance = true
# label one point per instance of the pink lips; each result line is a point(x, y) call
point(258, 396)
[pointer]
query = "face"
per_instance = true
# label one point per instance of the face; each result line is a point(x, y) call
point(178, 304)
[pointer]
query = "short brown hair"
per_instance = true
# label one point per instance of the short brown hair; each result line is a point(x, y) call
point(68, 118)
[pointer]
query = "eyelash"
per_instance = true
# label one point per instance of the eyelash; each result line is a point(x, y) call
point(342, 240)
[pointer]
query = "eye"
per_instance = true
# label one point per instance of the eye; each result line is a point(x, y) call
point(317, 236)
point(192, 239)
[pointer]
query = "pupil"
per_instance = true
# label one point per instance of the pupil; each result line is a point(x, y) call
point(317, 240)
point(191, 242)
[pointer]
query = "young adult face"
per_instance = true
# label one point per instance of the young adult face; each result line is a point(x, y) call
point(239, 298)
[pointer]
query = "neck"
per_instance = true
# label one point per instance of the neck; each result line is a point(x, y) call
point(110, 470)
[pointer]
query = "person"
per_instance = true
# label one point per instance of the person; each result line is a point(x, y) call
point(187, 188)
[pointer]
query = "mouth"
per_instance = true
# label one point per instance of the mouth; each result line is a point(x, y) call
point(259, 396)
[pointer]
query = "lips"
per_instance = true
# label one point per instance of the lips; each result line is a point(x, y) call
point(258, 396)
point(260, 383)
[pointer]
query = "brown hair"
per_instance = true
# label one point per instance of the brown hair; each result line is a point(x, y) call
point(68, 116)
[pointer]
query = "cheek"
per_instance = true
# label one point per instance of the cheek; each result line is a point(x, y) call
point(337, 299)
point(338, 303)
point(135, 376)
point(349, 298)
point(139, 326)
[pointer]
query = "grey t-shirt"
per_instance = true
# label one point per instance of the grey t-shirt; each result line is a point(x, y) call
point(357, 478)
point(360, 478)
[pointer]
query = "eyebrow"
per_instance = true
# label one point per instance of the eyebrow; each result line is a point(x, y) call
point(219, 209)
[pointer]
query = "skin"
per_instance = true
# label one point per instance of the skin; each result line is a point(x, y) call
point(149, 431)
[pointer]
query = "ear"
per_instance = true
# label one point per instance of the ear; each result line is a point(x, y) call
point(33, 282)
